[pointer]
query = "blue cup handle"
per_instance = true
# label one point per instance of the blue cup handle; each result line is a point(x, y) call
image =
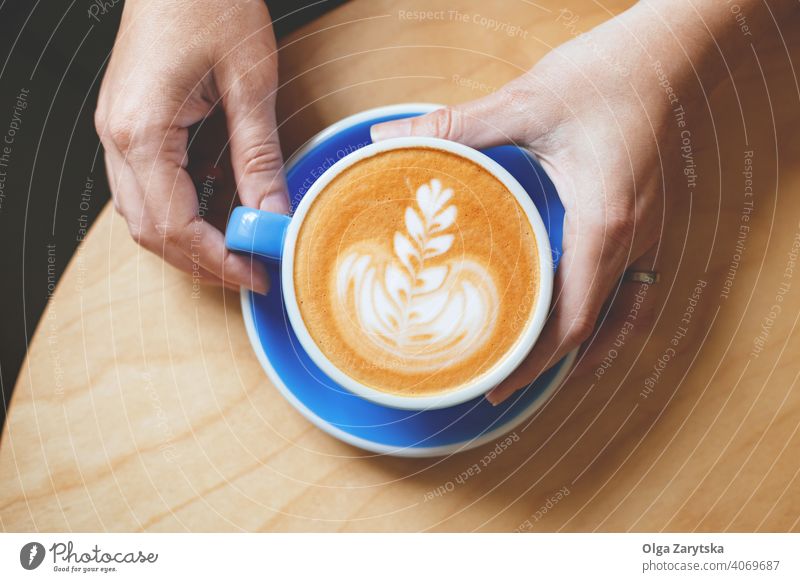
point(257, 232)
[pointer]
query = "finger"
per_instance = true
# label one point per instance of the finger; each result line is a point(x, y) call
point(129, 202)
point(492, 120)
point(170, 202)
point(125, 192)
point(594, 258)
point(174, 211)
point(628, 316)
point(247, 83)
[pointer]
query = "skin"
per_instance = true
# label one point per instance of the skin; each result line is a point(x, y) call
point(592, 111)
point(164, 77)
point(595, 115)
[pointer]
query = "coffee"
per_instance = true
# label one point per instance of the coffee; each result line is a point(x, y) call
point(416, 271)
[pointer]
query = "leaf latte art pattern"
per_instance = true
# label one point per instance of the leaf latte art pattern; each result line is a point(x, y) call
point(408, 300)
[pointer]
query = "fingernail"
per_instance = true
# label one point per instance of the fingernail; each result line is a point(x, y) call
point(275, 203)
point(389, 130)
point(259, 280)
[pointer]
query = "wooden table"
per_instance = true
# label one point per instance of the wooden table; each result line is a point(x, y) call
point(141, 408)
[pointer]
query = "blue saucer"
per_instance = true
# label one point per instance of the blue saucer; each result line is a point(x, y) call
point(346, 416)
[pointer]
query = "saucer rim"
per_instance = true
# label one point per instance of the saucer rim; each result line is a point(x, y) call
point(397, 451)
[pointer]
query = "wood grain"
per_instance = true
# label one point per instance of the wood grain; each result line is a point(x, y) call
point(142, 407)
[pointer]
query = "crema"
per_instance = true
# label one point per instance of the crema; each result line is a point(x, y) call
point(416, 271)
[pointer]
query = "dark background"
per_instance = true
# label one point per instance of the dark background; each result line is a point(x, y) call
point(58, 53)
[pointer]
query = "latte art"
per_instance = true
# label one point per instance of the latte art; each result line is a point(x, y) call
point(415, 271)
point(428, 314)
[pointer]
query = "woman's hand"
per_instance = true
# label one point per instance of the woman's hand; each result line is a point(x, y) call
point(173, 62)
point(607, 114)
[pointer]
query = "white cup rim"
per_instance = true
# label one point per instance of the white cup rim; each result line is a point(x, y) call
point(500, 370)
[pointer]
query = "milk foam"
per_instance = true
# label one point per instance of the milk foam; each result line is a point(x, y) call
point(428, 313)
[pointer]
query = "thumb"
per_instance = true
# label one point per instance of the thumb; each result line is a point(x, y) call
point(485, 122)
point(248, 97)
